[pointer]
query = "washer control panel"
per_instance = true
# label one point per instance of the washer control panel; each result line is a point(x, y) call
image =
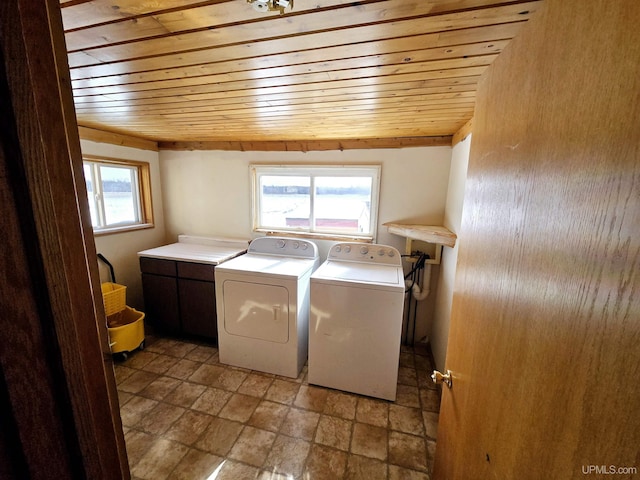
point(370, 252)
point(290, 247)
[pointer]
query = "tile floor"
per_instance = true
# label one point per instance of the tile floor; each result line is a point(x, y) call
point(187, 416)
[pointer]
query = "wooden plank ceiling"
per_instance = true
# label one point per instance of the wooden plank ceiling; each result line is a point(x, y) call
point(180, 71)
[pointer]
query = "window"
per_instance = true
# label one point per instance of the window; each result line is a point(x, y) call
point(336, 201)
point(119, 194)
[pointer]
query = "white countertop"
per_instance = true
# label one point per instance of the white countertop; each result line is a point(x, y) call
point(212, 251)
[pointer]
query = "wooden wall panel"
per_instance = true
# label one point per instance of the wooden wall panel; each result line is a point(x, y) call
point(545, 334)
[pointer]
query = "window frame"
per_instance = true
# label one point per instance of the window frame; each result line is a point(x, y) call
point(297, 170)
point(143, 187)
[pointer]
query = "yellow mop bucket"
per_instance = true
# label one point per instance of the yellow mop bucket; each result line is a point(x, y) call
point(124, 324)
point(126, 331)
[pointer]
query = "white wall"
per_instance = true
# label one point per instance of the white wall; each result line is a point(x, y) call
point(121, 248)
point(208, 192)
point(452, 220)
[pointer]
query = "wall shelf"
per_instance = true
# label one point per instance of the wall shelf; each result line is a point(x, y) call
point(425, 233)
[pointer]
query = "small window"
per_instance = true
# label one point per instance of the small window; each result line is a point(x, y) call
point(340, 201)
point(119, 194)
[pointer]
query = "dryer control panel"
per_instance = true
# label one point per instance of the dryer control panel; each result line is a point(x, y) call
point(367, 252)
point(288, 247)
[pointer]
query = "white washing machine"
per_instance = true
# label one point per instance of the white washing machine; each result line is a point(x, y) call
point(357, 300)
point(262, 301)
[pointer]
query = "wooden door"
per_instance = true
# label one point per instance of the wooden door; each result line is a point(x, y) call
point(545, 333)
point(59, 415)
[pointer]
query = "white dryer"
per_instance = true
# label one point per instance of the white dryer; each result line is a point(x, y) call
point(357, 301)
point(262, 301)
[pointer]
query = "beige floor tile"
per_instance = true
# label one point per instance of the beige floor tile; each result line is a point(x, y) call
point(408, 396)
point(137, 444)
point(160, 364)
point(430, 399)
point(160, 418)
point(430, 423)
point(334, 432)
point(137, 381)
point(160, 388)
point(211, 401)
point(370, 441)
point(287, 456)
point(407, 451)
point(135, 410)
point(341, 405)
point(139, 359)
point(399, 473)
point(425, 380)
point(207, 374)
point(122, 372)
point(363, 468)
point(186, 415)
point(232, 470)
point(213, 359)
point(300, 424)
point(188, 428)
point(158, 344)
point(185, 394)
point(407, 376)
point(158, 462)
point(270, 475)
point(124, 397)
point(373, 412)
point(196, 465)
point(239, 408)
point(282, 391)
point(311, 398)
point(179, 349)
point(407, 359)
point(431, 453)
point(252, 446)
point(219, 436)
point(255, 385)
point(231, 379)
point(269, 415)
point(406, 419)
point(183, 369)
point(201, 353)
point(325, 463)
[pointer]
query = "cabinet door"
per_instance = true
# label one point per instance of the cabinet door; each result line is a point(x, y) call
point(198, 308)
point(161, 301)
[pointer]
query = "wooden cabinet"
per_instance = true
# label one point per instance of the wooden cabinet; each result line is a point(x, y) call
point(180, 297)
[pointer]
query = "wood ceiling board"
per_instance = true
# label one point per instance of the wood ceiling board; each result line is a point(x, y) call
point(255, 102)
point(326, 62)
point(344, 30)
point(268, 53)
point(328, 71)
point(331, 71)
point(83, 14)
point(311, 82)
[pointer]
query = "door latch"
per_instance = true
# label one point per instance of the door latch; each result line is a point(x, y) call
point(439, 378)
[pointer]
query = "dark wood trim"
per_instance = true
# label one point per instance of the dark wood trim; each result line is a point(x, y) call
point(311, 145)
point(56, 365)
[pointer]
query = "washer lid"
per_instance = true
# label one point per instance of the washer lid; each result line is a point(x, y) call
point(372, 274)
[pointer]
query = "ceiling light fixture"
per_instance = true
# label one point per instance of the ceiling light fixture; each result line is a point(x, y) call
point(271, 5)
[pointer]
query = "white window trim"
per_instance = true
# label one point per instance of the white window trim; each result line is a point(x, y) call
point(355, 170)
